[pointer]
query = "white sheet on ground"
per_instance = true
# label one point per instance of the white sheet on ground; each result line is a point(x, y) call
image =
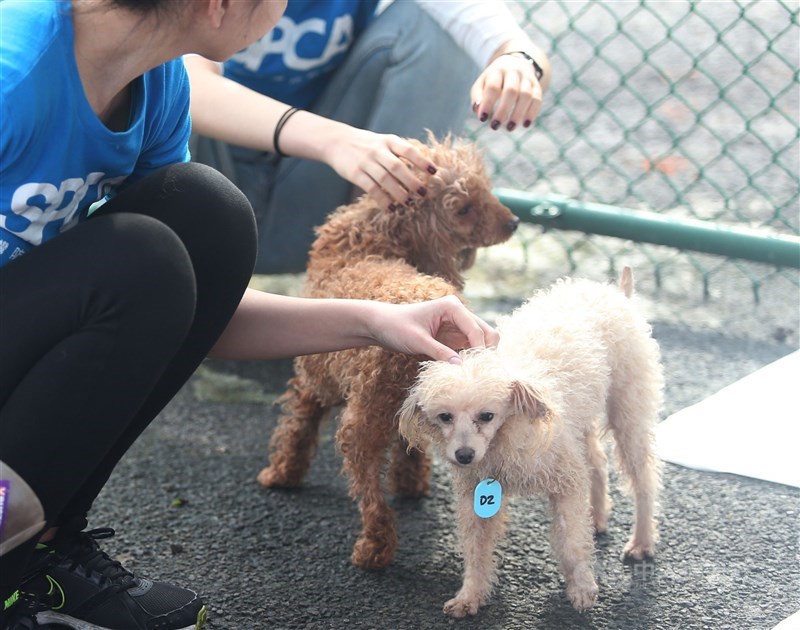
point(750, 428)
point(790, 623)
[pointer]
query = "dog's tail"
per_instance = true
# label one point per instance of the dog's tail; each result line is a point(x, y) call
point(626, 281)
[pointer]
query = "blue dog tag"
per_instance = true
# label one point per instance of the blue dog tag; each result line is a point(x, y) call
point(488, 496)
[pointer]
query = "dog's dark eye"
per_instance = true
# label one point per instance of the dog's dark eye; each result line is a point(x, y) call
point(465, 210)
point(485, 416)
point(445, 417)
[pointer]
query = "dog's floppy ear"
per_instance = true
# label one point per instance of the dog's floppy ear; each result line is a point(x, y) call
point(529, 403)
point(410, 420)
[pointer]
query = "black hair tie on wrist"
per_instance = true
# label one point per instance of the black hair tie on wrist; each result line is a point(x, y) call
point(279, 126)
point(537, 69)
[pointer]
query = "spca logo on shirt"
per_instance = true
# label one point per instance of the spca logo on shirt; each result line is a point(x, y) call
point(311, 36)
point(40, 210)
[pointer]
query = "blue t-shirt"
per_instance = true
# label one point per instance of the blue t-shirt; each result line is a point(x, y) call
point(293, 61)
point(56, 156)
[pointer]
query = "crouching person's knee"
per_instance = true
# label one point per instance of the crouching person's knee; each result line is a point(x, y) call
point(21, 513)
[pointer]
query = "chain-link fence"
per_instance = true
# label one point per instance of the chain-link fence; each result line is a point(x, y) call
point(687, 109)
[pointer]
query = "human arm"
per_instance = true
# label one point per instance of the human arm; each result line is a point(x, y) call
point(228, 111)
point(269, 326)
point(507, 90)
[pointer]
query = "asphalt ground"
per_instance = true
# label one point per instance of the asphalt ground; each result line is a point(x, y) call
point(187, 509)
point(185, 501)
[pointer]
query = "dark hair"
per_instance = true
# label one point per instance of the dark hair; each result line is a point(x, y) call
point(159, 7)
point(144, 7)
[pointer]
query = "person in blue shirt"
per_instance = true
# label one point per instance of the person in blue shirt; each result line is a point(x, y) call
point(122, 266)
point(351, 80)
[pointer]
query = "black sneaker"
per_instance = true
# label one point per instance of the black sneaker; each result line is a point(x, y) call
point(77, 584)
point(19, 613)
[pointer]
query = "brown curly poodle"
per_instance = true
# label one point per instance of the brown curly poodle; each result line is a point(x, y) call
point(406, 255)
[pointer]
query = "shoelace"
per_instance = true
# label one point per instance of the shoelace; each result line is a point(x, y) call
point(86, 553)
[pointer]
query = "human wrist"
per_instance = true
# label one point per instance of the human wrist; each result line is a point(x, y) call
point(312, 137)
point(356, 323)
point(276, 134)
point(516, 46)
point(369, 321)
point(537, 69)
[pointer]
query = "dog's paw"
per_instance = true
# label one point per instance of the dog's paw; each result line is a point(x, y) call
point(582, 590)
point(637, 551)
point(271, 477)
point(461, 606)
point(369, 554)
point(582, 599)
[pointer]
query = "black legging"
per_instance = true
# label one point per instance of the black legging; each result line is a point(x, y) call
point(101, 326)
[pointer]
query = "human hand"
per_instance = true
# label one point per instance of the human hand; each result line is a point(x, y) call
point(507, 91)
point(437, 328)
point(380, 165)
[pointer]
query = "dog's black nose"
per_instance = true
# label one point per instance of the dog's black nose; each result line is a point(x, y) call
point(464, 455)
point(513, 224)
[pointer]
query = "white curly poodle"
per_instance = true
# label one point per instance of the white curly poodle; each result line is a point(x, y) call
point(574, 362)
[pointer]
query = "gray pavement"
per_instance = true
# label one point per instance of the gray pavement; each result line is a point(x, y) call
point(187, 508)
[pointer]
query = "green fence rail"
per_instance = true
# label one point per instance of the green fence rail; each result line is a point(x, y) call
point(681, 112)
point(650, 227)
